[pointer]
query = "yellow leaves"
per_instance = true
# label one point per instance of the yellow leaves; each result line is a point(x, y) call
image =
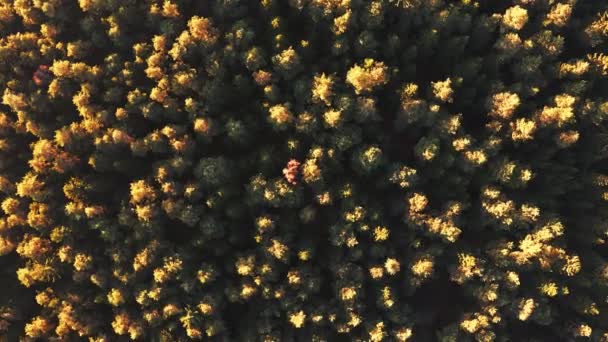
point(206, 308)
point(512, 279)
point(286, 59)
point(453, 209)
point(583, 330)
point(522, 129)
point(392, 266)
point(549, 289)
point(556, 115)
point(417, 203)
point(329, 6)
point(509, 43)
point(6, 123)
point(504, 104)
point(121, 323)
point(311, 172)
point(144, 257)
point(39, 215)
point(264, 224)
point(489, 293)
point(46, 156)
point(468, 267)
point(65, 253)
point(529, 212)
point(184, 79)
point(341, 23)
point(476, 157)
point(599, 61)
point(294, 278)
point(367, 77)
point(33, 247)
point(351, 242)
point(204, 276)
point(278, 249)
point(474, 324)
point(170, 310)
point(275, 22)
point(170, 10)
point(381, 234)
point(376, 272)
point(280, 115)
point(353, 319)
point(202, 30)
point(550, 231)
point(333, 118)
point(297, 319)
point(38, 327)
point(6, 246)
point(245, 266)
point(427, 148)
point(561, 114)
point(247, 291)
point(423, 266)
point(7, 14)
point(501, 209)
point(61, 68)
point(141, 192)
point(202, 126)
point(576, 68)
point(567, 138)
point(160, 275)
point(304, 255)
point(159, 43)
point(443, 227)
point(558, 15)
point(145, 213)
point(324, 198)
point(597, 31)
point(16, 101)
point(526, 308)
point(524, 244)
point(47, 298)
point(536, 246)
point(443, 90)
point(82, 262)
point(467, 262)
point(170, 268)
point(377, 333)
point(115, 297)
point(36, 272)
point(515, 18)
point(591, 309)
point(348, 293)
point(403, 334)
point(322, 89)
point(404, 177)
point(461, 144)
point(355, 215)
point(452, 124)
point(11, 206)
point(159, 94)
point(572, 265)
point(387, 297)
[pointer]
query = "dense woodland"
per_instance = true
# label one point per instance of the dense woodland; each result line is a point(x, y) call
point(304, 170)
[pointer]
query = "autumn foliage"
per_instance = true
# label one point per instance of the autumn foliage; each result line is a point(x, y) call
point(304, 170)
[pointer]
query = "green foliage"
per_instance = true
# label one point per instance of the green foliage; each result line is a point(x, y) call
point(304, 170)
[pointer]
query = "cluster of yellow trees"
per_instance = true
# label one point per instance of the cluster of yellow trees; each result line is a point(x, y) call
point(304, 170)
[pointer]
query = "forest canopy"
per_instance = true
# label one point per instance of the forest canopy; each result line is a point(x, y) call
point(304, 170)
